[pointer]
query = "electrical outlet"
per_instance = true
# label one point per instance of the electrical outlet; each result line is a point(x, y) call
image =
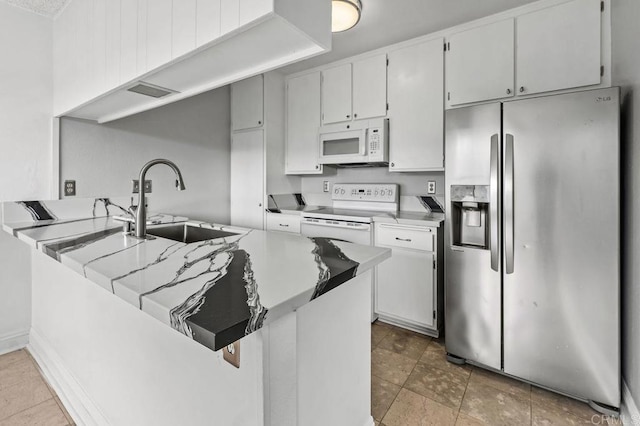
point(136, 186)
point(69, 188)
point(431, 187)
point(325, 186)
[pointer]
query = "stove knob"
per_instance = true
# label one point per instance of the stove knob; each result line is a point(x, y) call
point(342, 191)
point(376, 192)
point(335, 190)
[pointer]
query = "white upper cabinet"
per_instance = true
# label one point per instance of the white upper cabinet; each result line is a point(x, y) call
point(559, 47)
point(369, 87)
point(336, 94)
point(247, 103)
point(159, 22)
point(416, 107)
point(141, 39)
point(128, 40)
point(112, 50)
point(480, 63)
point(183, 39)
point(207, 21)
point(303, 121)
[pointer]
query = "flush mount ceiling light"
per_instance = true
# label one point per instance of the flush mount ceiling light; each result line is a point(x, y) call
point(345, 14)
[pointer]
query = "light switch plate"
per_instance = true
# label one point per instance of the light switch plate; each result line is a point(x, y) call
point(136, 188)
point(431, 187)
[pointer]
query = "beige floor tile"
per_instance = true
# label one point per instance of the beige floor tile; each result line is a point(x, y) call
point(382, 395)
point(411, 409)
point(442, 386)
point(494, 406)
point(464, 420)
point(390, 366)
point(498, 381)
point(378, 331)
point(17, 372)
point(23, 395)
point(64, 411)
point(544, 397)
point(403, 342)
point(550, 415)
point(12, 357)
point(435, 356)
point(45, 414)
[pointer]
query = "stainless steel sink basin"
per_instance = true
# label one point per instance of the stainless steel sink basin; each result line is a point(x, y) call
point(186, 233)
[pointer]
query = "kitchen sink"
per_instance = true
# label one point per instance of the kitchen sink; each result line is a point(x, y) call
point(186, 233)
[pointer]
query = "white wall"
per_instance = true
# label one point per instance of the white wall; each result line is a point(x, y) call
point(25, 147)
point(193, 133)
point(626, 73)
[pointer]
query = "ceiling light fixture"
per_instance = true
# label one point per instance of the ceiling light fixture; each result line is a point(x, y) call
point(345, 14)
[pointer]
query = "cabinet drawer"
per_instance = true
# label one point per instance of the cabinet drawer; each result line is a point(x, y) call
point(283, 222)
point(411, 237)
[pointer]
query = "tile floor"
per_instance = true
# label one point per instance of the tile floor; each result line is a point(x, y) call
point(413, 384)
point(25, 397)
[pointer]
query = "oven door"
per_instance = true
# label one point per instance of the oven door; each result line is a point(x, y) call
point(353, 232)
point(349, 146)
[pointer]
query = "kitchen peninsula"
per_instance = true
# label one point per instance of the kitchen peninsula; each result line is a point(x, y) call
point(119, 360)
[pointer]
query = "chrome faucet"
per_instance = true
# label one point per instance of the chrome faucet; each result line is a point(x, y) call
point(141, 211)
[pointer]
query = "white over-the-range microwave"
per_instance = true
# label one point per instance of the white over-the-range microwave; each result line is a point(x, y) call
point(362, 142)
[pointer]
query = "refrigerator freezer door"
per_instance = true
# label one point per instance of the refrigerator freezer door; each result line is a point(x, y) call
point(561, 303)
point(472, 287)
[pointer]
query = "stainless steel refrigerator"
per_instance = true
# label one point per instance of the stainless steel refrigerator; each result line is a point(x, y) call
point(532, 252)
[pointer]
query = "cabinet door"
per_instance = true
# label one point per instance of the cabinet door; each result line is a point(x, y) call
point(207, 21)
point(159, 21)
point(336, 94)
point(247, 179)
point(480, 63)
point(247, 103)
point(416, 88)
point(128, 40)
point(112, 40)
point(404, 287)
point(559, 47)
point(370, 87)
point(183, 37)
point(303, 121)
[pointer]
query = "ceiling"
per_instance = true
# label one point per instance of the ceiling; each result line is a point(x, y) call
point(385, 22)
point(42, 7)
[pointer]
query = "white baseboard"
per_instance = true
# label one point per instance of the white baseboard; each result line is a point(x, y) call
point(13, 342)
point(629, 411)
point(73, 397)
point(370, 422)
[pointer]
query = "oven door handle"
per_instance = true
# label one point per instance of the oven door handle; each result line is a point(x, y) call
point(359, 227)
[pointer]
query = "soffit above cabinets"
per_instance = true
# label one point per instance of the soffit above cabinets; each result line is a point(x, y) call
point(281, 34)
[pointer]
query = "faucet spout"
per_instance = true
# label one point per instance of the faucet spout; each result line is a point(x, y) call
point(141, 211)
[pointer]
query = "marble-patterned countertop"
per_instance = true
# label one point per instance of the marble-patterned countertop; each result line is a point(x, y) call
point(214, 291)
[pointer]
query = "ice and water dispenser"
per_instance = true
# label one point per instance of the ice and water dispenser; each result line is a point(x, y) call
point(470, 215)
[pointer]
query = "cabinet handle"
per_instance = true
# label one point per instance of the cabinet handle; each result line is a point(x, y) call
point(521, 89)
point(354, 116)
point(259, 122)
point(260, 205)
point(408, 240)
point(508, 91)
point(317, 166)
point(348, 116)
point(393, 164)
point(284, 225)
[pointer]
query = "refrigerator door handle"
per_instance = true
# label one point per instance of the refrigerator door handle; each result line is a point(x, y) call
point(494, 208)
point(508, 203)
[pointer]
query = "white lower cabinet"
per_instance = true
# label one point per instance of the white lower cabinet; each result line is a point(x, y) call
point(283, 222)
point(407, 290)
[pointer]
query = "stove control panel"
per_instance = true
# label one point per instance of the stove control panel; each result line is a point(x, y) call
point(382, 192)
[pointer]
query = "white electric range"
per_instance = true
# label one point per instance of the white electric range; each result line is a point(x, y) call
point(351, 216)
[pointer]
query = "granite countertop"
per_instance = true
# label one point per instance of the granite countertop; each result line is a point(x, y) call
point(214, 291)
